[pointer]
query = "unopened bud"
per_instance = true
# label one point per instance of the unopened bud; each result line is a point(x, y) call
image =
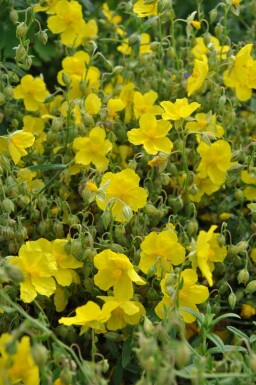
point(243, 276)
point(251, 287)
point(20, 53)
point(14, 16)
point(43, 37)
point(212, 15)
point(218, 30)
point(14, 273)
point(232, 300)
point(39, 353)
point(21, 30)
point(133, 39)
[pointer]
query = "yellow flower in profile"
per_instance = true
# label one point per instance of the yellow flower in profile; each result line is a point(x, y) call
point(92, 104)
point(114, 106)
point(196, 24)
point(198, 76)
point(121, 190)
point(38, 265)
point(48, 7)
point(20, 367)
point(79, 71)
point(126, 96)
point(69, 22)
point(161, 250)
point(200, 49)
point(92, 149)
point(250, 179)
point(66, 263)
point(184, 294)
point(15, 143)
point(152, 134)
point(242, 75)
point(144, 9)
point(215, 162)
point(36, 126)
point(181, 109)
point(32, 91)
point(27, 177)
point(125, 48)
point(205, 123)
point(89, 316)
point(204, 186)
point(122, 312)
point(116, 270)
point(113, 19)
point(145, 104)
point(253, 254)
point(207, 251)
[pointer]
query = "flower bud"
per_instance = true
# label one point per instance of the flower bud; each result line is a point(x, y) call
point(66, 79)
point(218, 30)
point(14, 16)
point(21, 30)
point(88, 120)
point(182, 354)
point(243, 276)
point(2, 99)
point(192, 227)
point(7, 206)
point(133, 39)
point(20, 53)
point(39, 354)
point(213, 14)
point(8, 92)
point(14, 273)
point(251, 287)
point(43, 37)
point(252, 362)
point(232, 300)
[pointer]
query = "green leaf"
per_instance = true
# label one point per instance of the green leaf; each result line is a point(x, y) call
point(46, 167)
point(118, 373)
point(224, 316)
point(237, 332)
point(126, 352)
point(217, 341)
point(227, 349)
point(194, 313)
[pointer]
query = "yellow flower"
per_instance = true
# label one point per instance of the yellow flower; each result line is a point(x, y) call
point(126, 96)
point(116, 270)
point(66, 263)
point(92, 104)
point(26, 176)
point(247, 311)
point(80, 73)
point(188, 295)
point(19, 367)
point(88, 316)
point(207, 252)
point(198, 76)
point(38, 265)
point(68, 21)
point(91, 186)
point(250, 179)
point(161, 250)
point(122, 189)
point(93, 149)
point(122, 312)
point(181, 109)
point(15, 143)
point(125, 48)
point(145, 104)
point(196, 24)
point(48, 7)
point(113, 19)
point(253, 254)
point(242, 75)
point(205, 123)
point(204, 186)
point(201, 49)
point(143, 9)
point(145, 44)
point(152, 134)
point(33, 92)
point(114, 106)
point(36, 126)
point(216, 160)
